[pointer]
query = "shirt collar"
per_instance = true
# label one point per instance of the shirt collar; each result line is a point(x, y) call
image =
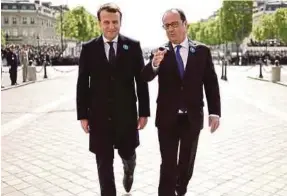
point(184, 44)
point(114, 40)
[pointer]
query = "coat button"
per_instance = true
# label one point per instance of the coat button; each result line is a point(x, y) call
point(109, 118)
point(181, 88)
point(112, 78)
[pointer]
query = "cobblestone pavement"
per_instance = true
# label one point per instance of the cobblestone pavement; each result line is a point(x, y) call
point(52, 72)
point(15, 102)
point(47, 152)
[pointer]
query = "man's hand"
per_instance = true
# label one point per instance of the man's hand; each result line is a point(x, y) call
point(158, 57)
point(213, 123)
point(142, 121)
point(85, 125)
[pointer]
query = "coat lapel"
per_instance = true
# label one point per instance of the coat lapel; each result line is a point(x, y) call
point(191, 58)
point(101, 48)
point(120, 48)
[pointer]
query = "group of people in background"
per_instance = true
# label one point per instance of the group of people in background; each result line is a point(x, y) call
point(16, 56)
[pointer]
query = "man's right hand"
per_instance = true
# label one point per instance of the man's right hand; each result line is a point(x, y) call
point(85, 125)
point(158, 57)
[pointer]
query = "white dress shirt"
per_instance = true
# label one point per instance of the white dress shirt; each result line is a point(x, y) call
point(107, 45)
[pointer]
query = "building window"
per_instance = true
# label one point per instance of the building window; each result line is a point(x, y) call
point(32, 33)
point(32, 21)
point(5, 7)
point(15, 32)
point(24, 33)
point(14, 20)
point(14, 7)
point(6, 20)
point(24, 20)
point(31, 7)
point(7, 32)
point(24, 7)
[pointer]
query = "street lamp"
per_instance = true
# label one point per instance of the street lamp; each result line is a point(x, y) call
point(38, 44)
point(222, 67)
point(45, 70)
point(260, 67)
point(226, 60)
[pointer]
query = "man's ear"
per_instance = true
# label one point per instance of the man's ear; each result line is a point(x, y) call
point(185, 24)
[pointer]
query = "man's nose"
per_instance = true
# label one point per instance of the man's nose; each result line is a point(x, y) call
point(111, 26)
point(169, 29)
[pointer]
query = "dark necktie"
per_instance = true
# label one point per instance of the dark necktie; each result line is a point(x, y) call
point(112, 54)
point(180, 65)
point(179, 61)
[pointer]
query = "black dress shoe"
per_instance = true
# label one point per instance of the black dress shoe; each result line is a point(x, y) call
point(129, 167)
point(178, 194)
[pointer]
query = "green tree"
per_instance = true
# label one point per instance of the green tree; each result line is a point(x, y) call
point(213, 28)
point(78, 24)
point(201, 34)
point(206, 32)
point(280, 20)
point(3, 39)
point(236, 20)
point(258, 32)
point(266, 28)
point(193, 28)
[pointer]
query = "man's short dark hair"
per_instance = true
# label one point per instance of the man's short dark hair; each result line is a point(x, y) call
point(179, 11)
point(109, 7)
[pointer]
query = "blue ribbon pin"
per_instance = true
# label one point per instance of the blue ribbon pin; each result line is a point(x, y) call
point(192, 50)
point(125, 47)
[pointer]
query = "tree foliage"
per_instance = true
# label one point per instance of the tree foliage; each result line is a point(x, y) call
point(78, 24)
point(3, 39)
point(232, 23)
point(272, 26)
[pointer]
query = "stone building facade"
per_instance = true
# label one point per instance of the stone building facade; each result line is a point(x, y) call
point(33, 23)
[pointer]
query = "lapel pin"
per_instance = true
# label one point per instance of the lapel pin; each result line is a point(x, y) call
point(192, 50)
point(192, 47)
point(125, 47)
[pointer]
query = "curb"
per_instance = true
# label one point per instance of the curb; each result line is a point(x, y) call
point(27, 83)
point(265, 80)
point(17, 86)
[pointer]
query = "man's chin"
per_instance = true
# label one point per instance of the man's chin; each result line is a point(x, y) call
point(175, 41)
point(112, 36)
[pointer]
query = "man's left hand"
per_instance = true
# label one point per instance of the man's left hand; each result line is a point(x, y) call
point(142, 121)
point(213, 123)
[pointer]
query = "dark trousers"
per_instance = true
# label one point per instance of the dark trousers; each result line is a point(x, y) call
point(13, 74)
point(175, 172)
point(105, 161)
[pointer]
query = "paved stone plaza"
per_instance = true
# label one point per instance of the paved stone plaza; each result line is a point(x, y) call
point(52, 72)
point(45, 152)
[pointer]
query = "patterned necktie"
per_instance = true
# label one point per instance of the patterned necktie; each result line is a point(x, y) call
point(179, 61)
point(112, 53)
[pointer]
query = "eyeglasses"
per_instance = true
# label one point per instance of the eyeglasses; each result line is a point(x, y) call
point(173, 25)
